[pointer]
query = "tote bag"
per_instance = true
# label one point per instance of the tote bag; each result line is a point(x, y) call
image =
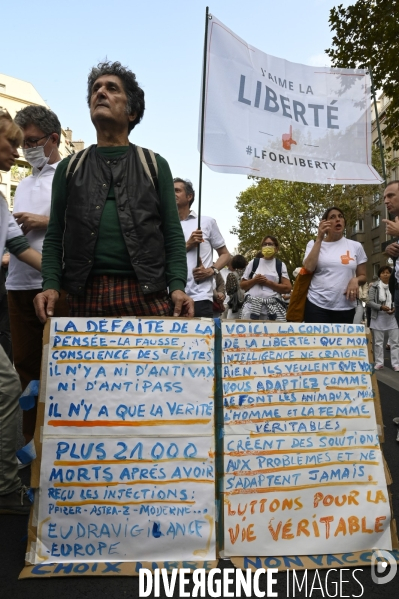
point(296, 307)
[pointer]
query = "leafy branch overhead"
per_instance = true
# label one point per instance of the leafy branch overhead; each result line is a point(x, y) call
point(366, 35)
point(291, 211)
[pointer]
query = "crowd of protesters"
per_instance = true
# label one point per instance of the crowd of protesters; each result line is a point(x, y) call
point(115, 235)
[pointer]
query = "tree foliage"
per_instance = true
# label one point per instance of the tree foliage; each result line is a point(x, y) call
point(366, 36)
point(291, 211)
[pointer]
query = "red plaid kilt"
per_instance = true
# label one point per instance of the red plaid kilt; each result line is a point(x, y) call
point(108, 295)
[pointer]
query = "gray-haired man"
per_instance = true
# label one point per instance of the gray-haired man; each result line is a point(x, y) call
point(118, 249)
point(42, 133)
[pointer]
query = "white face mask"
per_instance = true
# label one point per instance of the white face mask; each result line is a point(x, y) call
point(36, 156)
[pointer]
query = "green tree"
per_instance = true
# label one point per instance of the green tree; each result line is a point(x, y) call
point(291, 211)
point(366, 36)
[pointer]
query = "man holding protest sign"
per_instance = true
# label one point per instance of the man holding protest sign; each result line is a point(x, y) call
point(199, 277)
point(114, 241)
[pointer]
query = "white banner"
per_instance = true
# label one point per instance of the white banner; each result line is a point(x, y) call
point(269, 117)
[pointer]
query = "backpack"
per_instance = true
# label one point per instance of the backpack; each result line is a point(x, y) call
point(147, 157)
point(237, 298)
point(279, 267)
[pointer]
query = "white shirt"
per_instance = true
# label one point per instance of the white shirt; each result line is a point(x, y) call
point(336, 266)
point(383, 322)
point(33, 195)
point(213, 240)
point(266, 268)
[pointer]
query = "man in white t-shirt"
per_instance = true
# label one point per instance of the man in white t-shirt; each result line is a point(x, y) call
point(42, 134)
point(199, 278)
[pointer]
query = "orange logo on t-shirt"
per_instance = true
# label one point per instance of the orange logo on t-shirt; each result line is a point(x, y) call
point(346, 258)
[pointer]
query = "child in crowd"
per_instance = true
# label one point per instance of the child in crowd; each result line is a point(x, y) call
point(383, 319)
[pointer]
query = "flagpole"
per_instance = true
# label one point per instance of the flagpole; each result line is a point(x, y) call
point(377, 118)
point(202, 126)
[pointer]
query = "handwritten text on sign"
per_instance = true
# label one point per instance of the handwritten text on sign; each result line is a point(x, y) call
point(127, 470)
point(139, 373)
point(303, 466)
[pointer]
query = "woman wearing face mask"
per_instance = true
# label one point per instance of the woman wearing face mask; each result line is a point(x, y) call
point(264, 280)
point(339, 267)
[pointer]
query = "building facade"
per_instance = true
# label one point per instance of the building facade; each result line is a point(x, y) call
point(369, 229)
point(15, 94)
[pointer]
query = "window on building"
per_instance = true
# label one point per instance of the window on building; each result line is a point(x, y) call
point(376, 245)
point(376, 267)
point(377, 198)
point(376, 220)
point(359, 226)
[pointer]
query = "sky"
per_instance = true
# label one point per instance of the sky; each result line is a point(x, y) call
point(53, 46)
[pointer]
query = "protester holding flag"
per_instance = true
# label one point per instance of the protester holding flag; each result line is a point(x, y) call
point(209, 239)
point(264, 280)
point(339, 267)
